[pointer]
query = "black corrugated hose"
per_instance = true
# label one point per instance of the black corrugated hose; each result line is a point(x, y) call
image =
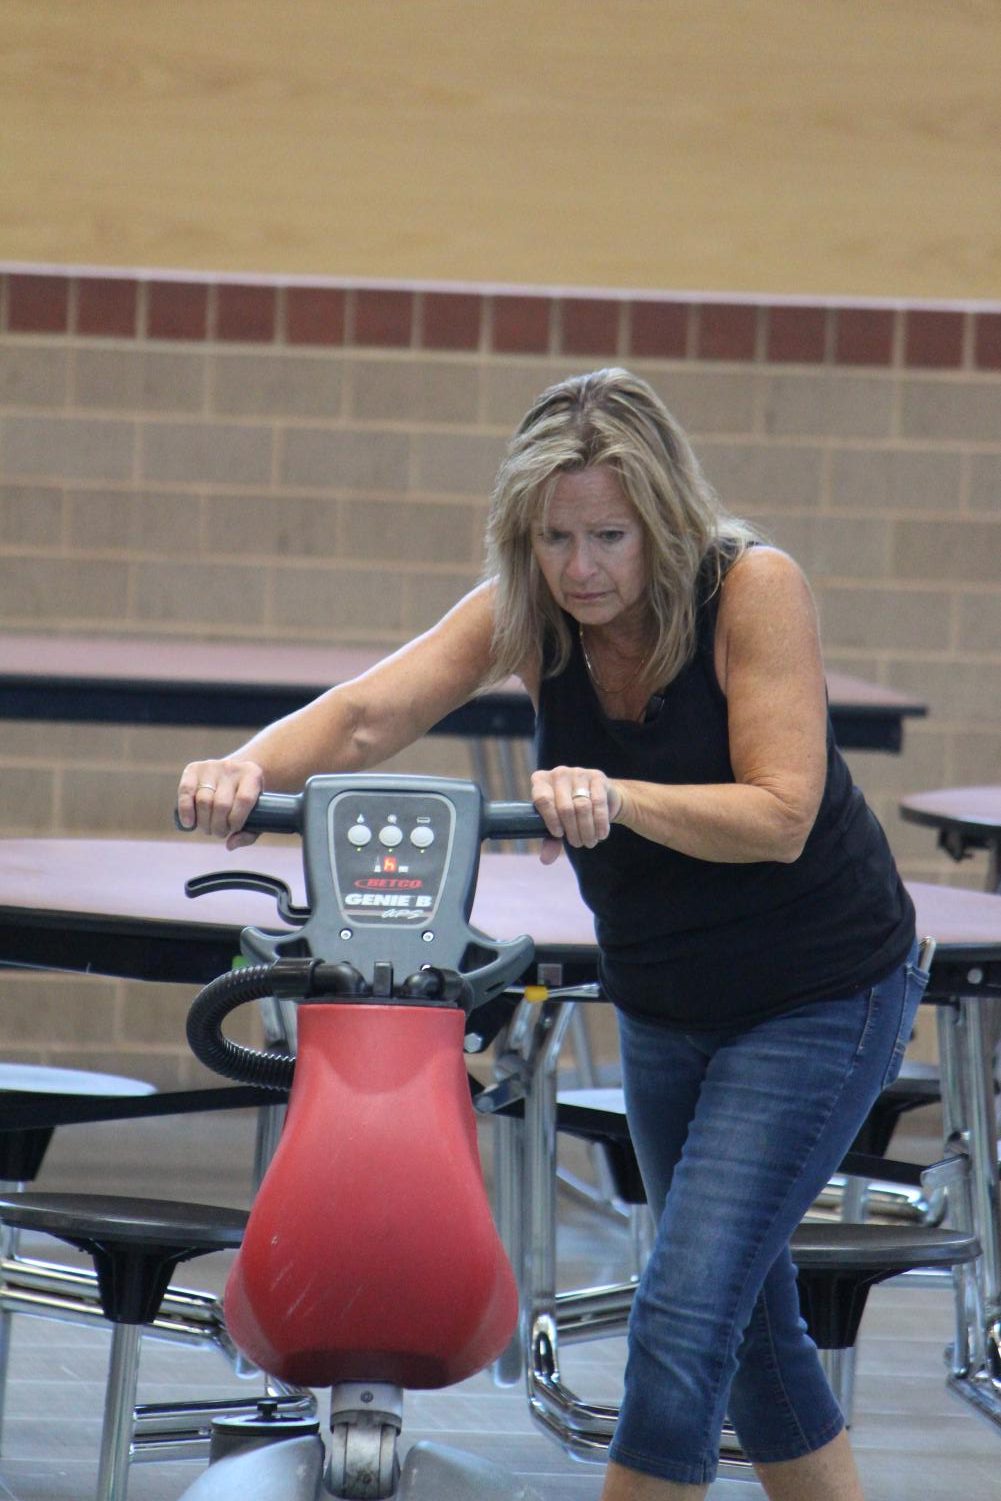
point(290, 978)
point(231, 1059)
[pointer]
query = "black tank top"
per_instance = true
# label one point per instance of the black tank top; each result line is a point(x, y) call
point(703, 944)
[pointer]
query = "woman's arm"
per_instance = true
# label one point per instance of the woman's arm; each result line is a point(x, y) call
point(769, 665)
point(353, 726)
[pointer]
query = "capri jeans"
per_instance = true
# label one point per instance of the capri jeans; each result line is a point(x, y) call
point(736, 1133)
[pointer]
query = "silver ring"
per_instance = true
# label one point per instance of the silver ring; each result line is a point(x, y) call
point(210, 785)
point(580, 792)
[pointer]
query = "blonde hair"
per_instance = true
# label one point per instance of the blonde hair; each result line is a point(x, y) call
point(614, 418)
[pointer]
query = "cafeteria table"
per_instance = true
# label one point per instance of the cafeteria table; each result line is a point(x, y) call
point(117, 907)
point(156, 680)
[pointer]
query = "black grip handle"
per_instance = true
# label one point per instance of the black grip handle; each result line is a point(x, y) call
point(511, 821)
point(276, 813)
point(273, 813)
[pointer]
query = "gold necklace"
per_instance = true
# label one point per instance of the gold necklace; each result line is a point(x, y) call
point(602, 687)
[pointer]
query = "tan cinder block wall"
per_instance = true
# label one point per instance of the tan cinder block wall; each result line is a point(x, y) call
point(312, 465)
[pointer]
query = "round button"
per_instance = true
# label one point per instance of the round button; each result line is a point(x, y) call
point(359, 835)
point(391, 835)
point(422, 836)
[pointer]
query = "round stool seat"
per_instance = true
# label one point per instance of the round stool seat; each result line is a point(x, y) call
point(135, 1243)
point(40, 1078)
point(608, 1098)
point(879, 1248)
point(836, 1264)
point(598, 1115)
point(918, 1084)
point(139, 1222)
point(35, 1098)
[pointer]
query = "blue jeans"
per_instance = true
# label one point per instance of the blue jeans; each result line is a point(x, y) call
point(736, 1133)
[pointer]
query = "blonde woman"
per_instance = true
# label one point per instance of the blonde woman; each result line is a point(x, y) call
point(754, 935)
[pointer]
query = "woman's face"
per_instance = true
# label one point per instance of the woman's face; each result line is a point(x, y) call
point(590, 549)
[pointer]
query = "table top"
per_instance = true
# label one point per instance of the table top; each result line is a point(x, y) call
point(118, 907)
point(157, 680)
point(162, 680)
point(968, 810)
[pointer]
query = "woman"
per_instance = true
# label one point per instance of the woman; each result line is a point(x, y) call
point(755, 937)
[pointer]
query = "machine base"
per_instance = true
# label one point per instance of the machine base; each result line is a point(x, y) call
point(292, 1470)
point(434, 1472)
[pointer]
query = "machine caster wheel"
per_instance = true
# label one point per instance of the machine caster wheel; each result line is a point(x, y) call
point(363, 1463)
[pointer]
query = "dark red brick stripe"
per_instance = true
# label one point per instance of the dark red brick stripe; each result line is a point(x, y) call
point(516, 323)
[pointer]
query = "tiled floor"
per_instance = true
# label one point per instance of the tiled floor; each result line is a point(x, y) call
point(913, 1439)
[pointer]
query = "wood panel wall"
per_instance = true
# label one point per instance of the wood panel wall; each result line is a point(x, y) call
point(839, 147)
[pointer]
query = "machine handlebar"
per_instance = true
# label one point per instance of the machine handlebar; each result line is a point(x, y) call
point(282, 813)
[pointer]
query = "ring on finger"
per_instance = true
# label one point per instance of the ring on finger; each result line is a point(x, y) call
point(581, 792)
point(210, 785)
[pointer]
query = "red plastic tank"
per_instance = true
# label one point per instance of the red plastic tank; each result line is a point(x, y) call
point(371, 1253)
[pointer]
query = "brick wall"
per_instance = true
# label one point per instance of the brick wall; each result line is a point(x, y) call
point(310, 464)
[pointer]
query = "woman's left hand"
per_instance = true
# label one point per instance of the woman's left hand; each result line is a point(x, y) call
point(578, 803)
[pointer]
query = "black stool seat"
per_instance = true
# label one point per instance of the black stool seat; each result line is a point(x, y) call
point(917, 1085)
point(599, 1115)
point(200, 1227)
point(823, 1247)
point(35, 1099)
point(836, 1264)
point(43, 1078)
point(135, 1243)
point(32, 1097)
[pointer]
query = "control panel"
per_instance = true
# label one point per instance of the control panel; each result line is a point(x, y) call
point(390, 868)
point(388, 854)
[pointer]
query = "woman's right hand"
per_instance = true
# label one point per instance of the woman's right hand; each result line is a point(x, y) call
point(216, 796)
